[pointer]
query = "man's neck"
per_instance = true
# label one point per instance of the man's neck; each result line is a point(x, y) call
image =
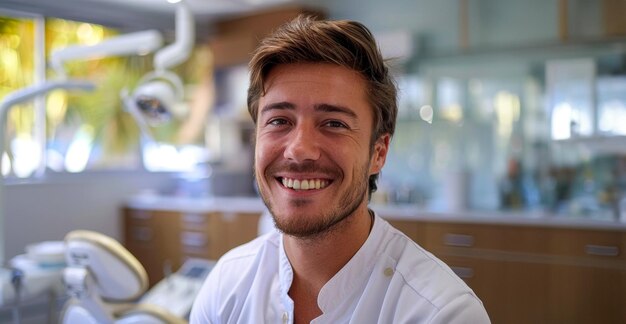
point(316, 261)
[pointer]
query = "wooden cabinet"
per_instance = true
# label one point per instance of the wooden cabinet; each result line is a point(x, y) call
point(236, 38)
point(151, 236)
point(529, 274)
point(161, 239)
point(211, 235)
point(523, 274)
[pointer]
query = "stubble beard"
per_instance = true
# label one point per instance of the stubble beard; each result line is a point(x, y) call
point(326, 222)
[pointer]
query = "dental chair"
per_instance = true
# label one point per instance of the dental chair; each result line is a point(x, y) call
point(104, 282)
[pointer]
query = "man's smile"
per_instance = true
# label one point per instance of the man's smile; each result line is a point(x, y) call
point(303, 184)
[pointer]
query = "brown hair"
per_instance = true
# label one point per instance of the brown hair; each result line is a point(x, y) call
point(346, 43)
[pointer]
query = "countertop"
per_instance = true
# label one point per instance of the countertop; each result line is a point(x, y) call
point(392, 212)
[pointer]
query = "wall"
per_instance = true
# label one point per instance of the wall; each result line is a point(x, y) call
point(435, 23)
point(48, 209)
point(490, 23)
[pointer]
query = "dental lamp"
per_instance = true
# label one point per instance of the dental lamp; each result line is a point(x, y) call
point(160, 92)
point(159, 95)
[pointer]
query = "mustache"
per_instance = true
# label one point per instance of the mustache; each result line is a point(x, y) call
point(303, 167)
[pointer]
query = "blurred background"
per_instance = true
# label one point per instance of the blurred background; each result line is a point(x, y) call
point(509, 159)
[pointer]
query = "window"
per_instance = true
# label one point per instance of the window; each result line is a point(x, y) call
point(17, 70)
point(612, 105)
point(79, 130)
point(91, 130)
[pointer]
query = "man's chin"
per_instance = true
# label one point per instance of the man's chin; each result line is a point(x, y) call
point(303, 231)
point(306, 225)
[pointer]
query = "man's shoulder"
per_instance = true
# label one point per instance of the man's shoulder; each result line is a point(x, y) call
point(243, 264)
point(233, 276)
point(425, 276)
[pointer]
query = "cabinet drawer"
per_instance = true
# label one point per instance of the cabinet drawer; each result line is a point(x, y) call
point(441, 236)
point(140, 234)
point(537, 244)
point(515, 239)
point(139, 215)
point(197, 221)
point(589, 243)
point(199, 245)
point(150, 218)
point(194, 239)
point(142, 218)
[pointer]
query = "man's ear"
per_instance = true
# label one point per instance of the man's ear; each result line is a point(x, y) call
point(379, 154)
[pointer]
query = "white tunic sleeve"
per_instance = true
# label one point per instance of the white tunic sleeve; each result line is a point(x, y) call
point(205, 302)
point(463, 309)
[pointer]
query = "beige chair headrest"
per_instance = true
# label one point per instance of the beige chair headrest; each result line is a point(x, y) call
point(117, 252)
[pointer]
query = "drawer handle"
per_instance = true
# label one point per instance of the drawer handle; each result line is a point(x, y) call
point(143, 234)
point(194, 219)
point(602, 250)
point(229, 217)
point(460, 240)
point(141, 215)
point(463, 272)
point(194, 239)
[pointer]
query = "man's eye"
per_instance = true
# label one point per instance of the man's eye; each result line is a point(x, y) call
point(336, 124)
point(277, 122)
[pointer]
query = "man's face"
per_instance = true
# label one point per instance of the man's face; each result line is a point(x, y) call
point(313, 157)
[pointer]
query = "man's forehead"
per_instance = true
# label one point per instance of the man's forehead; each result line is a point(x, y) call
point(319, 87)
point(309, 72)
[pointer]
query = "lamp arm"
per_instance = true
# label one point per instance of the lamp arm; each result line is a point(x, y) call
point(142, 42)
point(180, 50)
point(31, 92)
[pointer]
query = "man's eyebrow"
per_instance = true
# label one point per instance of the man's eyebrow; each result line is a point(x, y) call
point(338, 109)
point(284, 105)
point(277, 105)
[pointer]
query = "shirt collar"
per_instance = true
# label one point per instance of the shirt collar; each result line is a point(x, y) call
point(285, 275)
point(355, 272)
point(344, 282)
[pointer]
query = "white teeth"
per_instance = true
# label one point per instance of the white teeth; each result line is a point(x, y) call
point(305, 184)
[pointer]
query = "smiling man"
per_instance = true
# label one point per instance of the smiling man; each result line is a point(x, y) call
point(324, 106)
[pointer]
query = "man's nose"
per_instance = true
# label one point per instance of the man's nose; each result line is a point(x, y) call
point(302, 145)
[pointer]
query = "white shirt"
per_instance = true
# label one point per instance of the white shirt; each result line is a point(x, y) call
point(390, 279)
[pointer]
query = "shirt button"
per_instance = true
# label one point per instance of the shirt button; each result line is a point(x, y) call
point(388, 272)
point(285, 317)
